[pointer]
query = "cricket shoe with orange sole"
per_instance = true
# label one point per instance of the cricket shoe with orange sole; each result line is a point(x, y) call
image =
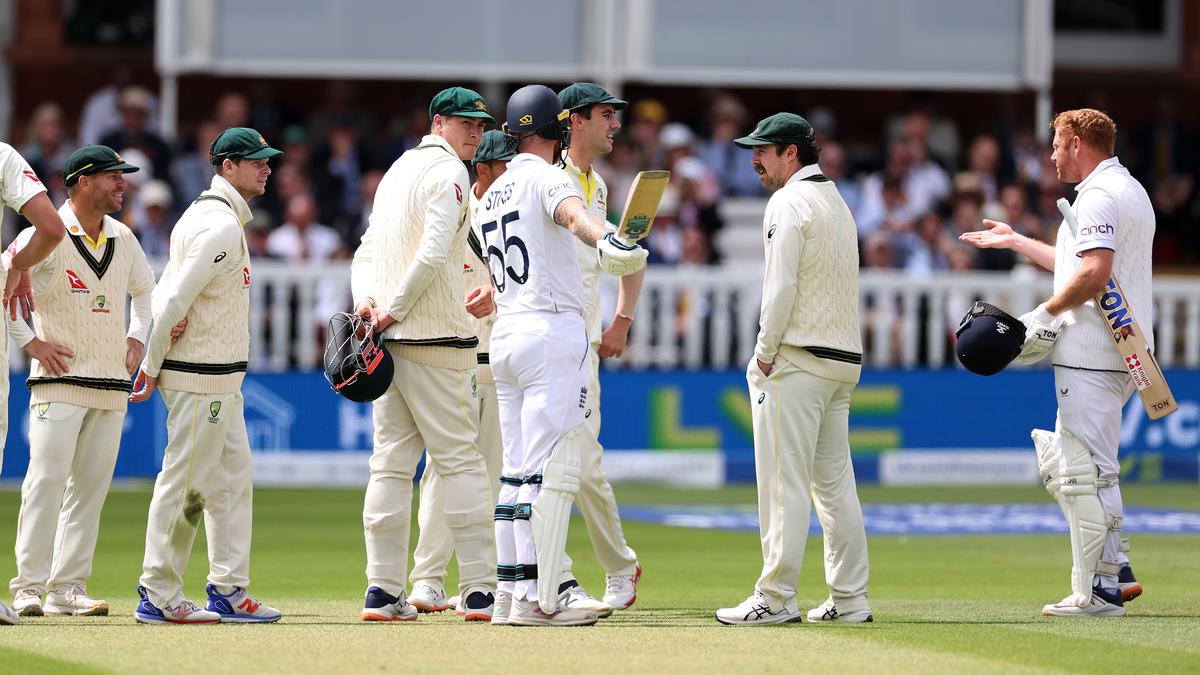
point(382, 606)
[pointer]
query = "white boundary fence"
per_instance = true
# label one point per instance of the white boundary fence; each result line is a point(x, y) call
point(695, 317)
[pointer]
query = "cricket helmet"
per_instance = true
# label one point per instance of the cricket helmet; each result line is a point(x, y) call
point(356, 363)
point(536, 109)
point(988, 339)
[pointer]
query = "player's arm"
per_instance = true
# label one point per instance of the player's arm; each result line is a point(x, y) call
point(141, 289)
point(48, 231)
point(1097, 217)
point(1001, 235)
point(52, 356)
point(443, 217)
point(177, 293)
point(780, 278)
point(573, 215)
point(1095, 267)
point(616, 336)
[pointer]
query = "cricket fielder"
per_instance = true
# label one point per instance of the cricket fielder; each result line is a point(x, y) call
point(434, 542)
point(540, 351)
point(1078, 461)
point(22, 191)
point(207, 463)
point(407, 279)
point(593, 122)
point(806, 363)
point(79, 383)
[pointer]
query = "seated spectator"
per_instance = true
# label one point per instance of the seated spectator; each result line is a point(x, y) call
point(892, 212)
point(968, 214)
point(101, 112)
point(879, 252)
point(154, 219)
point(337, 165)
point(618, 168)
point(731, 164)
point(926, 246)
point(983, 162)
point(232, 110)
point(135, 132)
point(877, 207)
point(192, 171)
point(834, 166)
point(48, 145)
point(647, 118)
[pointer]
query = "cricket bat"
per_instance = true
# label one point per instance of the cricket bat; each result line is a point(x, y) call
point(1127, 334)
point(641, 206)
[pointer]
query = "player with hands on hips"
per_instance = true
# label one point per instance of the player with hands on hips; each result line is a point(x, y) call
point(530, 220)
point(1079, 459)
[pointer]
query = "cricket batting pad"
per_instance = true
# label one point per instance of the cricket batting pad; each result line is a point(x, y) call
point(552, 514)
point(1073, 485)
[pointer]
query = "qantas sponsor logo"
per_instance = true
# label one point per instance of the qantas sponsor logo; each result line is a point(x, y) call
point(76, 284)
point(31, 176)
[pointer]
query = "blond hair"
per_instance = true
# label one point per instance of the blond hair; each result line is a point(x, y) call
point(1094, 128)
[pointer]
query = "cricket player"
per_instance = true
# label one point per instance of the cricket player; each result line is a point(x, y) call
point(407, 279)
point(1115, 237)
point(434, 542)
point(807, 360)
point(207, 463)
point(594, 121)
point(22, 190)
point(539, 350)
point(79, 383)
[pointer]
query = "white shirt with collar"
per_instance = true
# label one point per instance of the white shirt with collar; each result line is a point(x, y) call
point(1114, 212)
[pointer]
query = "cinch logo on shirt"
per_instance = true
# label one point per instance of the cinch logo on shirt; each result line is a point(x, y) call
point(1096, 230)
point(77, 285)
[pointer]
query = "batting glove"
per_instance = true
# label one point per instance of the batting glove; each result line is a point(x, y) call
point(1041, 331)
point(618, 257)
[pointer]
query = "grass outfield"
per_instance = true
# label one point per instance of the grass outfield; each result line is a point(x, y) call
point(941, 603)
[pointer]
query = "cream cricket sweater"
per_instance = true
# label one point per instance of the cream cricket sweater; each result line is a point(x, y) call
point(207, 279)
point(410, 259)
point(80, 293)
point(595, 197)
point(475, 274)
point(809, 313)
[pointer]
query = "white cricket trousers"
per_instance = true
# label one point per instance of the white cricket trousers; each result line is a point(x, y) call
point(540, 361)
point(595, 500)
point(802, 458)
point(1090, 403)
point(207, 456)
point(427, 407)
point(72, 453)
point(4, 384)
point(435, 544)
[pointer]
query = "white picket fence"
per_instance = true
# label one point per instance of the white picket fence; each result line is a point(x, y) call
point(694, 317)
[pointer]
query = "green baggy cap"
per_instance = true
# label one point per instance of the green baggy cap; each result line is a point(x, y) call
point(493, 148)
point(92, 159)
point(460, 102)
point(584, 94)
point(779, 129)
point(240, 143)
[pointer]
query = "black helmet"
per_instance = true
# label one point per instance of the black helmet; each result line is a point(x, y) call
point(988, 339)
point(356, 363)
point(535, 109)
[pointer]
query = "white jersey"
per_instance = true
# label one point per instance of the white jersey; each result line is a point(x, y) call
point(1113, 212)
point(595, 197)
point(18, 182)
point(532, 259)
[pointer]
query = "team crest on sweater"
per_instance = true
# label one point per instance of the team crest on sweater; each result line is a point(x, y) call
point(100, 304)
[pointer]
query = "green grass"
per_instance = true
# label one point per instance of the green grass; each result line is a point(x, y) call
point(942, 604)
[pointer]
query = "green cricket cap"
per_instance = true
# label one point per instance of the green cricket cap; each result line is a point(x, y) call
point(240, 143)
point(779, 129)
point(493, 148)
point(460, 102)
point(584, 94)
point(92, 159)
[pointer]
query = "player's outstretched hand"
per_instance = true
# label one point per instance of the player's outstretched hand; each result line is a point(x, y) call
point(143, 387)
point(619, 257)
point(481, 301)
point(18, 292)
point(997, 235)
point(52, 357)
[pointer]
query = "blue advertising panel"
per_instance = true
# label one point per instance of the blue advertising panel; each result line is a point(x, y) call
point(702, 412)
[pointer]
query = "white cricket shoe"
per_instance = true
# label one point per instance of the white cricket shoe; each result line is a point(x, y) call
point(183, 612)
point(454, 602)
point(1102, 603)
point(28, 602)
point(620, 590)
point(755, 611)
point(576, 597)
point(240, 607)
point(428, 597)
point(847, 611)
point(529, 613)
point(382, 606)
point(8, 617)
point(501, 610)
point(478, 606)
point(73, 600)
